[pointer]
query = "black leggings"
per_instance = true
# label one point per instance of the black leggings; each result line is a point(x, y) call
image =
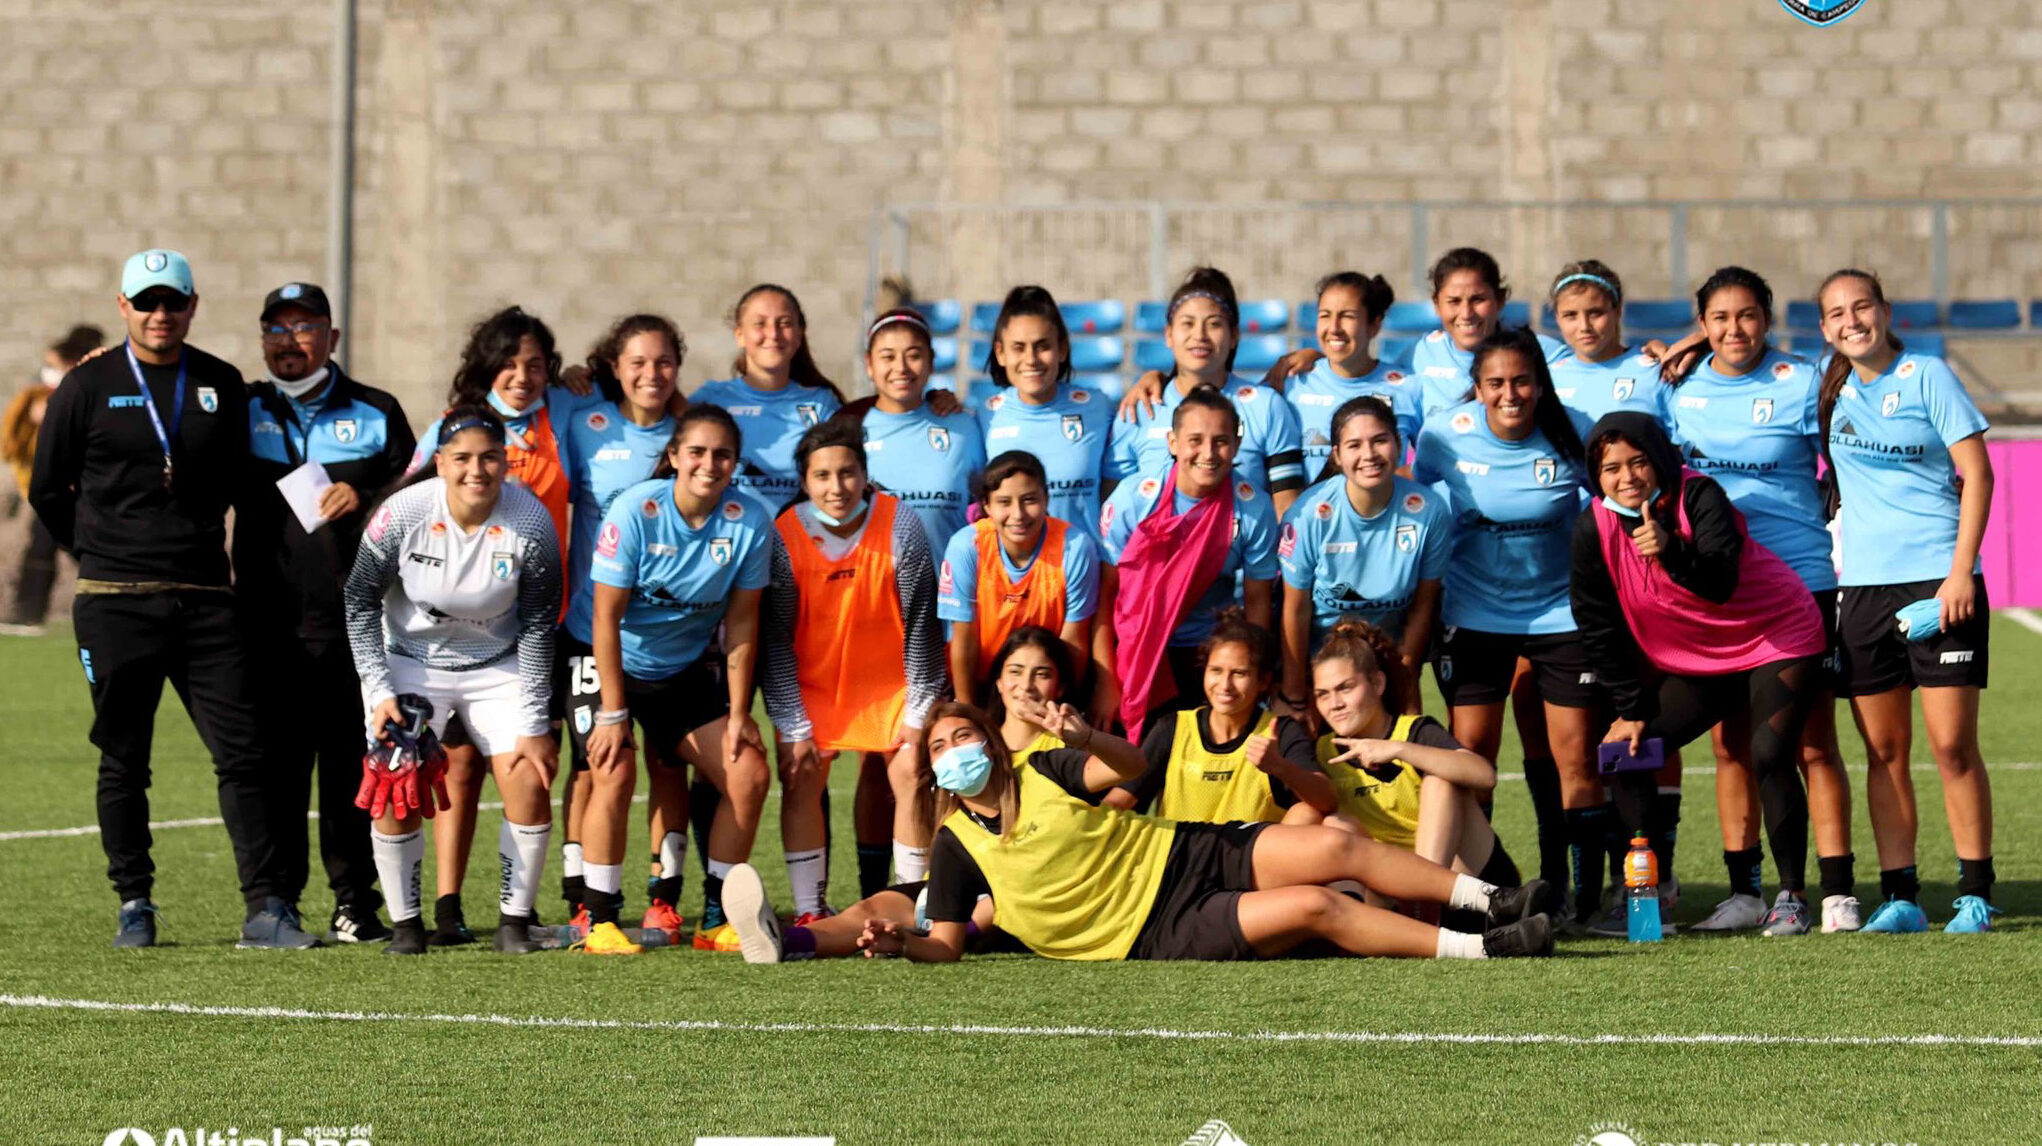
point(1778, 697)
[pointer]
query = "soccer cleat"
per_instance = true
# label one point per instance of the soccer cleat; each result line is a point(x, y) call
point(1530, 936)
point(661, 916)
point(1612, 922)
point(275, 928)
point(1974, 916)
point(1510, 904)
point(1738, 913)
point(1840, 913)
point(137, 924)
point(607, 939)
point(514, 937)
point(722, 937)
point(1789, 916)
point(805, 919)
point(450, 925)
point(407, 937)
point(353, 923)
point(752, 916)
point(1897, 917)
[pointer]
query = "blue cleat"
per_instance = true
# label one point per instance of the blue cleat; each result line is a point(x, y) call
point(275, 928)
point(1974, 915)
point(137, 924)
point(1897, 917)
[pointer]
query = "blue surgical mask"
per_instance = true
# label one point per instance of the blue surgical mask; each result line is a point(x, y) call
point(504, 408)
point(1610, 504)
point(963, 769)
point(823, 515)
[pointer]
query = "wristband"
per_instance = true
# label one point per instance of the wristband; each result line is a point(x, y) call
point(605, 717)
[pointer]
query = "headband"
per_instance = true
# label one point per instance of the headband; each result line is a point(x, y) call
point(490, 426)
point(1585, 277)
point(1231, 311)
point(908, 316)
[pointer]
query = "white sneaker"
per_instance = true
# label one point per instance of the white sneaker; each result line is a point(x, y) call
point(1737, 913)
point(1840, 913)
point(752, 915)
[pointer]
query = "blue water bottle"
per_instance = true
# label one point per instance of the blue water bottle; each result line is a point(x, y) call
point(1641, 892)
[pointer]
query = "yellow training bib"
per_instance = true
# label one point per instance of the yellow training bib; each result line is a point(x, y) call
point(1388, 809)
point(1212, 787)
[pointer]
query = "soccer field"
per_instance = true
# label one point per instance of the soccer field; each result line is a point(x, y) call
point(1822, 1039)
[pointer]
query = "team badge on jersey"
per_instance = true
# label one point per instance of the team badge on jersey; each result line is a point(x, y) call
point(1889, 403)
point(1394, 376)
point(1413, 502)
point(608, 540)
point(732, 510)
point(379, 524)
point(720, 549)
point(1546, 471)
point(1762, 409)
point(946, 584)
point(1783, 369)
point(1623, 388)
point(1407, 539)
point(808, 412)
point(1463, 422)
point(996, 401)
point(1323, 511)
point(1435, 336)
point(650, 509)
point(1245, 393)
point(1821, 13)
point(503, 566)
point(598, 421)
point(583, 719)
point(1906, 370)
point(939, 439)
point(1149, 487)
point(495, 531)
point(1244, 491)
point(209, 400)
point(346, 430)
point(1074, 427)
point(1106, 518)
point(1287, 541)
point(1080, 395)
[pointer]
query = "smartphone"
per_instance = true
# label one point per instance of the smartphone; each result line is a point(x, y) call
point(1614, 758)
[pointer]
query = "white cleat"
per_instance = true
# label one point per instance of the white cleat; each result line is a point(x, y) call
point(1737, 913)
point(1840, 913)
point(751, 913)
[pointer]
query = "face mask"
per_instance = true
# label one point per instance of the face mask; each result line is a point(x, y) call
point(963, 769)
point(52, 375)
point(823, 516)
point(497, 403)
point(1637, 514)
point(302, 386)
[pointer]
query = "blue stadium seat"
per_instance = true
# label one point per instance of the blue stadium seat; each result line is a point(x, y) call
point(1308, 315)
point(945, 352)
point(1103, 317)
point(1659, 313)
point(1153, 354)
point(943, 314)
point(983, 317)
point(978, 356)
point(1109, 385)
point(1410, 318)
point(1670, 336)
point(1395, 349)
point(1516, 312)
point(2035, 314)
point(1802, 314)
point(1264, 316)
point(1151, 317)
point(1925, 342)
point(1097, 355)
point(1917, 313)
point(1258, 352)
point(1547, 319)
point(1309, 341)
point(1985, 314)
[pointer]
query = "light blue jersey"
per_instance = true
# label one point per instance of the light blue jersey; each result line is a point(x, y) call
point(927, 463)
point(1251, 552)
point(1320, 393)
point(1367, 567)
point(773, 422)
point(1069, 435)
point(1627, 382)
point(1271, 453)
point(1757, 435)
point(1890, 440)
point(680, 578)
point(957, 580)
point(1445, 370)
point(603, 454)
point(1513, 505)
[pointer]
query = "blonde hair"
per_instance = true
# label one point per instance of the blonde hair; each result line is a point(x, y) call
point(941, 802)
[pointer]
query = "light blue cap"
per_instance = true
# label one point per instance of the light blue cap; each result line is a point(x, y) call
point(156, 268)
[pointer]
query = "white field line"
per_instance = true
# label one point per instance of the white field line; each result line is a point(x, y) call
point(44, 1002)
point(198, 822)
point(2026, 618)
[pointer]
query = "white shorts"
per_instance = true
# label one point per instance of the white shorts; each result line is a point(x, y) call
point(490, 700)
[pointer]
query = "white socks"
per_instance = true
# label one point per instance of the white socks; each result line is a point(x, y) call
point(570, 860)
point(1459, 945)
point(521, 856)
point(910, 863)
point(398, 859)
point(719, 869)
point(808, 873)
point(607, 878)
point(673, 851)
point(1470, 894)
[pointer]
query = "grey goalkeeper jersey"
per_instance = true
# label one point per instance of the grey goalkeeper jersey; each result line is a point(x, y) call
point(425, 589)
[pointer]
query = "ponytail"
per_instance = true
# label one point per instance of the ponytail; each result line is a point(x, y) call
point(1376, 292)
point(1370, 649)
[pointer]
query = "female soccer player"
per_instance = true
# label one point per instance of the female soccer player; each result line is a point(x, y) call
point(676, 557)
point(1173, 542)
point(853, 596)
point(1400, 777)
point(1908, 447)
point(1365, 543)
point(1232, 758)
point(1604, 373)
point(777, 392)
point(1509, 465)
point(1204, 327)
point(1076, 881)
point(1748, 417)
point(1016, 566)
point(1351, 309)
point(923, 458)
point(1468, 292)
point(1036, 409)
point(1666, 584)
point(454, 596)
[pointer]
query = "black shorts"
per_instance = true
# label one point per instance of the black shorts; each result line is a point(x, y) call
point(1475, 667)
point(666, 710)
point(1874, 657)
point(1197, 913)
point(1832, 659)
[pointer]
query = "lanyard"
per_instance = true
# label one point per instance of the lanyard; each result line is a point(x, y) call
point(149, 404)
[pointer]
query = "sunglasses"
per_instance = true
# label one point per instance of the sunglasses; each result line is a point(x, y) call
point(171, 301)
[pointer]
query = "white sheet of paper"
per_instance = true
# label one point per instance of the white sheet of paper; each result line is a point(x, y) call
point(301, 489)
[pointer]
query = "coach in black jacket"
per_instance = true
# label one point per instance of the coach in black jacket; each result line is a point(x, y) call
point(288, 580)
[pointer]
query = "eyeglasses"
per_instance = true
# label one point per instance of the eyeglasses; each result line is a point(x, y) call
point(171, 301)
point(279, 333)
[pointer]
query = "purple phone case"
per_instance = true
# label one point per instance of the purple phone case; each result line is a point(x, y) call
point(1613, 758)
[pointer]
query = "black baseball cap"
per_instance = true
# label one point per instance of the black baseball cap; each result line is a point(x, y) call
point(306, 295)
